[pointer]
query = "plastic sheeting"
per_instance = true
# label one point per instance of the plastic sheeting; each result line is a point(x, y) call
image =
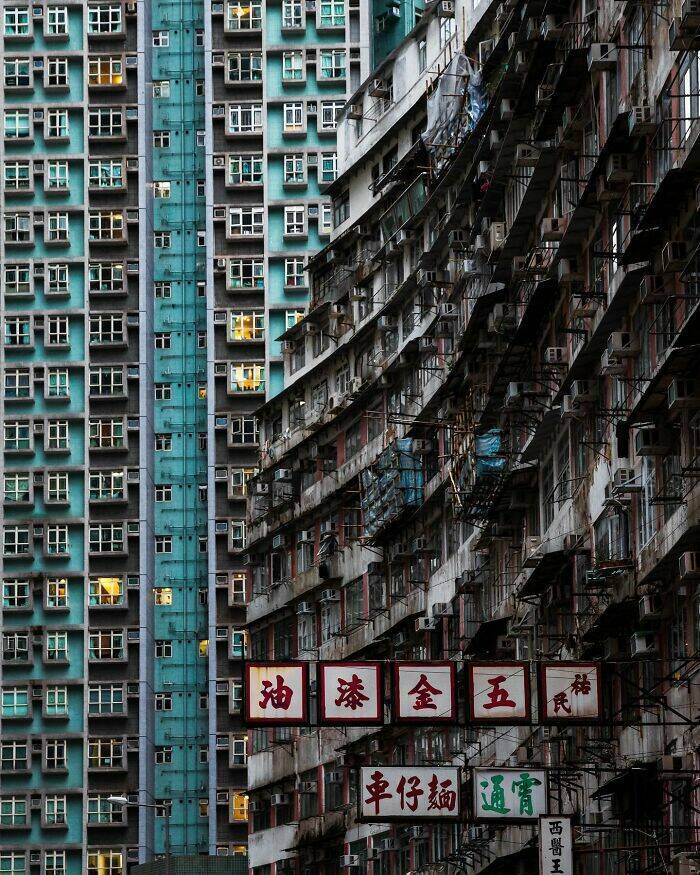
point(392, 485)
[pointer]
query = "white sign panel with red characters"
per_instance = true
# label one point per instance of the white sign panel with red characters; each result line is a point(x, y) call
point(276, 693)
point(408, 792)
point(499, 692)
point(569, 692)
point(556, 846)
point(350, 693)
point(425, 692)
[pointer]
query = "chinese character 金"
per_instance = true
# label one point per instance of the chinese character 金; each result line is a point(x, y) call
point(351, 693)
point(424, 693)
point(280, 696)
point(497, 803)
point(409, 798)
point(581, 685)
point(377, 790)
point(498, 696)
point(440, 797)
point(523, 788)
point(561, 703)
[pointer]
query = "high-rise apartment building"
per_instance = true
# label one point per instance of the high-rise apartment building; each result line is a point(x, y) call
point(164, 168)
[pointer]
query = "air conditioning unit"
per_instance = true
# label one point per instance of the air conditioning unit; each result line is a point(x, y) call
point(288, 346)
point(446, 9)
point(355, 111)
point(306, 536)
point(601, 57)
point(503, 316)
point(568, 271)
point(497, 235)
point(651, 442)
point(279, 542)
point(581, 391)
point(386, 323)
point(442, 609)
point(641, 643)
point(551, 28)
point(425, 624)
point(555, 355)
point(307, 786)
point(625, 481)
point(386, 846)
point(641, 121)
point(653, 288)
point(427, 344)
point(525, 155)
point(485, 50)
point(372, 853)
point(552, 229)
point(611, 367)
point(448, 311)
point(280, 799)
point(570, 410)
point(327, 527)
point(650, 607)
point(458, 240)
point(282, 474)
point(618, 169)
point(674, 256)
point(689, 565)
point(327, 596)
point(305, 608)
point(682, 394)
point(349, 861)
point(378, 88)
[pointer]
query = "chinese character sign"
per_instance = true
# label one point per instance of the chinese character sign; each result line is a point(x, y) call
point(276, 693)
point(509, 794)
point(391, 792)
point(424, 692)
point(556, 846)
point(570, 691)
point(350, 692)
point(499, 692)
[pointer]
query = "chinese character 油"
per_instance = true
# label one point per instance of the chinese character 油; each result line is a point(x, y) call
point(280, 695)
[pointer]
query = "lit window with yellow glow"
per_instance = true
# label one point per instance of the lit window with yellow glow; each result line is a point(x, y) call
point(239, 806)
point(247, 377)
point(246, 326)
point(163, 595)
point(105, 71)
point(106, 591)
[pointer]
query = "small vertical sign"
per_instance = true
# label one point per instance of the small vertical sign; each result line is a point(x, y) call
point(556, 846)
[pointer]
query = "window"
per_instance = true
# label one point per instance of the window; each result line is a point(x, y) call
point(56, 21)
point(163, 756)
point(162, 239)
point(56, 593)
point(244, 67)
point(107, 485)
point(18, 331)
point(161, 189)
point(293, 66)
point(333, 64)
point(57, 382)
point(239, 806)
point(16, 21)
point(292, 16)
point(56, 73)
point(106, 173)
point(294, 272)
point(163, 702)
point(341, 209)
point(15, 648)
point(332, 13)
point(13, 862)
point(16, 541)
point(294, 169)
point(164, 544)
point(106, 538)
point(13, 811)
point(246, 221)
point(330, 112)
point(16, 594)
point(245, 169)
point(107, 328)
point(163, 391)
point(55, 863)
point(56, 649)
point(246, 273)
point(107, 381)
point(17, 73)
point(295, 220)
point(242, 15)
point(17, 437)
point(57, 176)
point(56, 333)
point(106, 226)
point(106, 277)
point(18, 228)
point(106, 699)
point(329, 166)
point(163, 492)
point(106, 591)
point(57, 124)
point(106, 434)
point(293, 117)
point(161, 139)
point(247, 377)
point(244, 430)
point(17, 125)
point(107, 644)
point(57, 436)
point(246, 326)
point(162, 290)
point(105, 19)
point(100, 810)
point(17, 278)
point(56, 490)
point(161, 39)
point(105, 863)
point(55, 753)
point(245, 118)
point(57, 542)
point(17, 177)
point(105, 753)
point(163, 441)
point(105, 71)
point(14, 702)
point(14, 756)
point(54, 810)
point(163, 649)
point(106, 122)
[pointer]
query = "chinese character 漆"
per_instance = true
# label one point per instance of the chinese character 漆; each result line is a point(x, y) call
point(498, 696)
point(424, 693)
point(280, 695)
point(351, 693)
